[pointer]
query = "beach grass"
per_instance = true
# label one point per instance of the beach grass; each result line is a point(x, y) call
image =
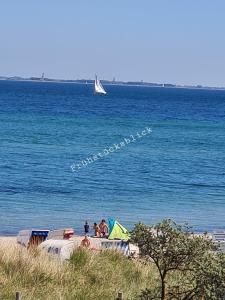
point(88, 275)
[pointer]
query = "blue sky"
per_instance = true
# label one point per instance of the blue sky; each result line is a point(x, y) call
point(176, 41)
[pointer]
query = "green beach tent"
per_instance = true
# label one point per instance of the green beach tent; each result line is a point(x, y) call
point(117, 231)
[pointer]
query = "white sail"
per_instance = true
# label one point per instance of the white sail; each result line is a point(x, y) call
point(98, 87)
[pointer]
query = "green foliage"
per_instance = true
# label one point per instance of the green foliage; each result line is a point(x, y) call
point(208, 276)
point(174, 264)
point(87, 276)
point(79, 258)
point(187, 265)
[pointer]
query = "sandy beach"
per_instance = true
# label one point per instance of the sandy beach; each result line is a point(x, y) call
point(94, 242)
point(11, 240)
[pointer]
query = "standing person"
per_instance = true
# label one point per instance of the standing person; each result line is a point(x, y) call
point(86, 228)
point(96, 230)
point(103, 228)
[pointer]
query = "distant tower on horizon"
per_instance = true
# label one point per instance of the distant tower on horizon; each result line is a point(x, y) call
point(43, 76)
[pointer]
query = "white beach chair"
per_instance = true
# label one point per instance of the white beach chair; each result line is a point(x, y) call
point(219, 239)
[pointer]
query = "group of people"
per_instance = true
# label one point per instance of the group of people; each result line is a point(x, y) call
point(101, 230)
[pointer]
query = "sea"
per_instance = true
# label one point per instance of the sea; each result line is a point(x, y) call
point(137, 154)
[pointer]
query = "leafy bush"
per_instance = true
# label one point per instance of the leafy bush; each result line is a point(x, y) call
point(187, 264)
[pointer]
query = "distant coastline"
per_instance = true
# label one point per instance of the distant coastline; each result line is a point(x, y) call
point(109, 82)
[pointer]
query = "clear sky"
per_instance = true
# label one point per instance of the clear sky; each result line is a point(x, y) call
point(172, 41)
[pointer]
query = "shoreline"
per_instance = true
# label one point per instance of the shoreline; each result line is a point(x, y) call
point(80, 232)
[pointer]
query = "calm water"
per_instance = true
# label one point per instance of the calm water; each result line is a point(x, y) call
point(177, 171)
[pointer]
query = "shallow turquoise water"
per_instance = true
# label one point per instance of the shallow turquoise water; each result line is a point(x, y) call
point(177, 171)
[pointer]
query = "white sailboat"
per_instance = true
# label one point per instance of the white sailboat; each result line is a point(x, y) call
point(98, 87)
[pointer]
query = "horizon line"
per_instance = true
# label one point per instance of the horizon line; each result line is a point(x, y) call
point(107, 81)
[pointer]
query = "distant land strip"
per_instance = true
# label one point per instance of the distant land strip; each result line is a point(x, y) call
point(110, 82)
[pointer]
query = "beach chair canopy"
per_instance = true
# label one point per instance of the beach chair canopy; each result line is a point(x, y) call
point(62, 248)
point(117, 231)
point(32, 237)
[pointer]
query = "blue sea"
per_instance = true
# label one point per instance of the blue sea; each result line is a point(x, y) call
point(177, 171)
